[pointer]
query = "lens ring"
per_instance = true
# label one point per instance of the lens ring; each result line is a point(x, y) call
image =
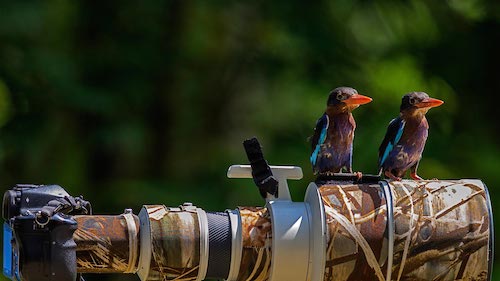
point(44, 221)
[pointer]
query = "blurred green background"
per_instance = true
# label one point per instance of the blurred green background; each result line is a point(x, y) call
point(132, 103)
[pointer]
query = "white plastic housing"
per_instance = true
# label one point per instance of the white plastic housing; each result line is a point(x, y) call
point(299, 237)
point(281, 173)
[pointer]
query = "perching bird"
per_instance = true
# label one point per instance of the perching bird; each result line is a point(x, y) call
point(406, 135)
point(334, 132)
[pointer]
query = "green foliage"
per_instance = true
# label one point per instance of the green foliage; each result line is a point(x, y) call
point(137, 103)
point(4, 103)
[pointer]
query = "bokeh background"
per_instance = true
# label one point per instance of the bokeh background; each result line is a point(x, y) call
point(132, 103)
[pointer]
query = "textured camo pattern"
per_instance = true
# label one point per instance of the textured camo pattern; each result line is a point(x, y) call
point(441, 231)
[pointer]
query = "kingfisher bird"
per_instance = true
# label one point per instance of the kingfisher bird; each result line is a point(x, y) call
point(334, 132)
point(406, 135)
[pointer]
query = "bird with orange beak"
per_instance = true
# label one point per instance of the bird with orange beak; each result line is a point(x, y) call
point(334, 132)
point(406, 136)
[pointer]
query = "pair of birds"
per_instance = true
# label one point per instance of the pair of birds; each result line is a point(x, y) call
point(401, 149)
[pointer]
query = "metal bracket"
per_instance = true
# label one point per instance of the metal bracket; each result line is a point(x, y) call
point(281, 173)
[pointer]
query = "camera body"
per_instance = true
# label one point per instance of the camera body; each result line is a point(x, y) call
point(37, 247)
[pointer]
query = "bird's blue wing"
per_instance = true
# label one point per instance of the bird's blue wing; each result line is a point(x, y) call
point(392, 137)
point(319, 137)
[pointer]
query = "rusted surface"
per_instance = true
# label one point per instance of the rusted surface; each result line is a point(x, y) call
point(103, 244)
point(256, 231)
point(441, 231)
point(175, 237)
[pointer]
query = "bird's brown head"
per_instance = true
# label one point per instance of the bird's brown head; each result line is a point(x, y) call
point(343, 99)
point(418, 103)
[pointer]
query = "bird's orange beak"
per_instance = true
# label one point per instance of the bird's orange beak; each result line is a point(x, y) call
point(357, 99)
point(429, 102)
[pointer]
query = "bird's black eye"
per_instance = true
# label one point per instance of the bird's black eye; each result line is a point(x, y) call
point(412, 101)
point(340, 96)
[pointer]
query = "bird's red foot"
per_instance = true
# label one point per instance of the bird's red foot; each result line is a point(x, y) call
point(416, 177)
point(391, 176)
point(358, 175)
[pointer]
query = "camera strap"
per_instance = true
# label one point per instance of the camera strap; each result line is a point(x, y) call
point(67, 205)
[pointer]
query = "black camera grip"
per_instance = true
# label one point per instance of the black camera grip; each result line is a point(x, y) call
point(47, 254)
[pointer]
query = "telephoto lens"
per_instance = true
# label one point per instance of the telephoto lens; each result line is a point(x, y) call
point(355, 229)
